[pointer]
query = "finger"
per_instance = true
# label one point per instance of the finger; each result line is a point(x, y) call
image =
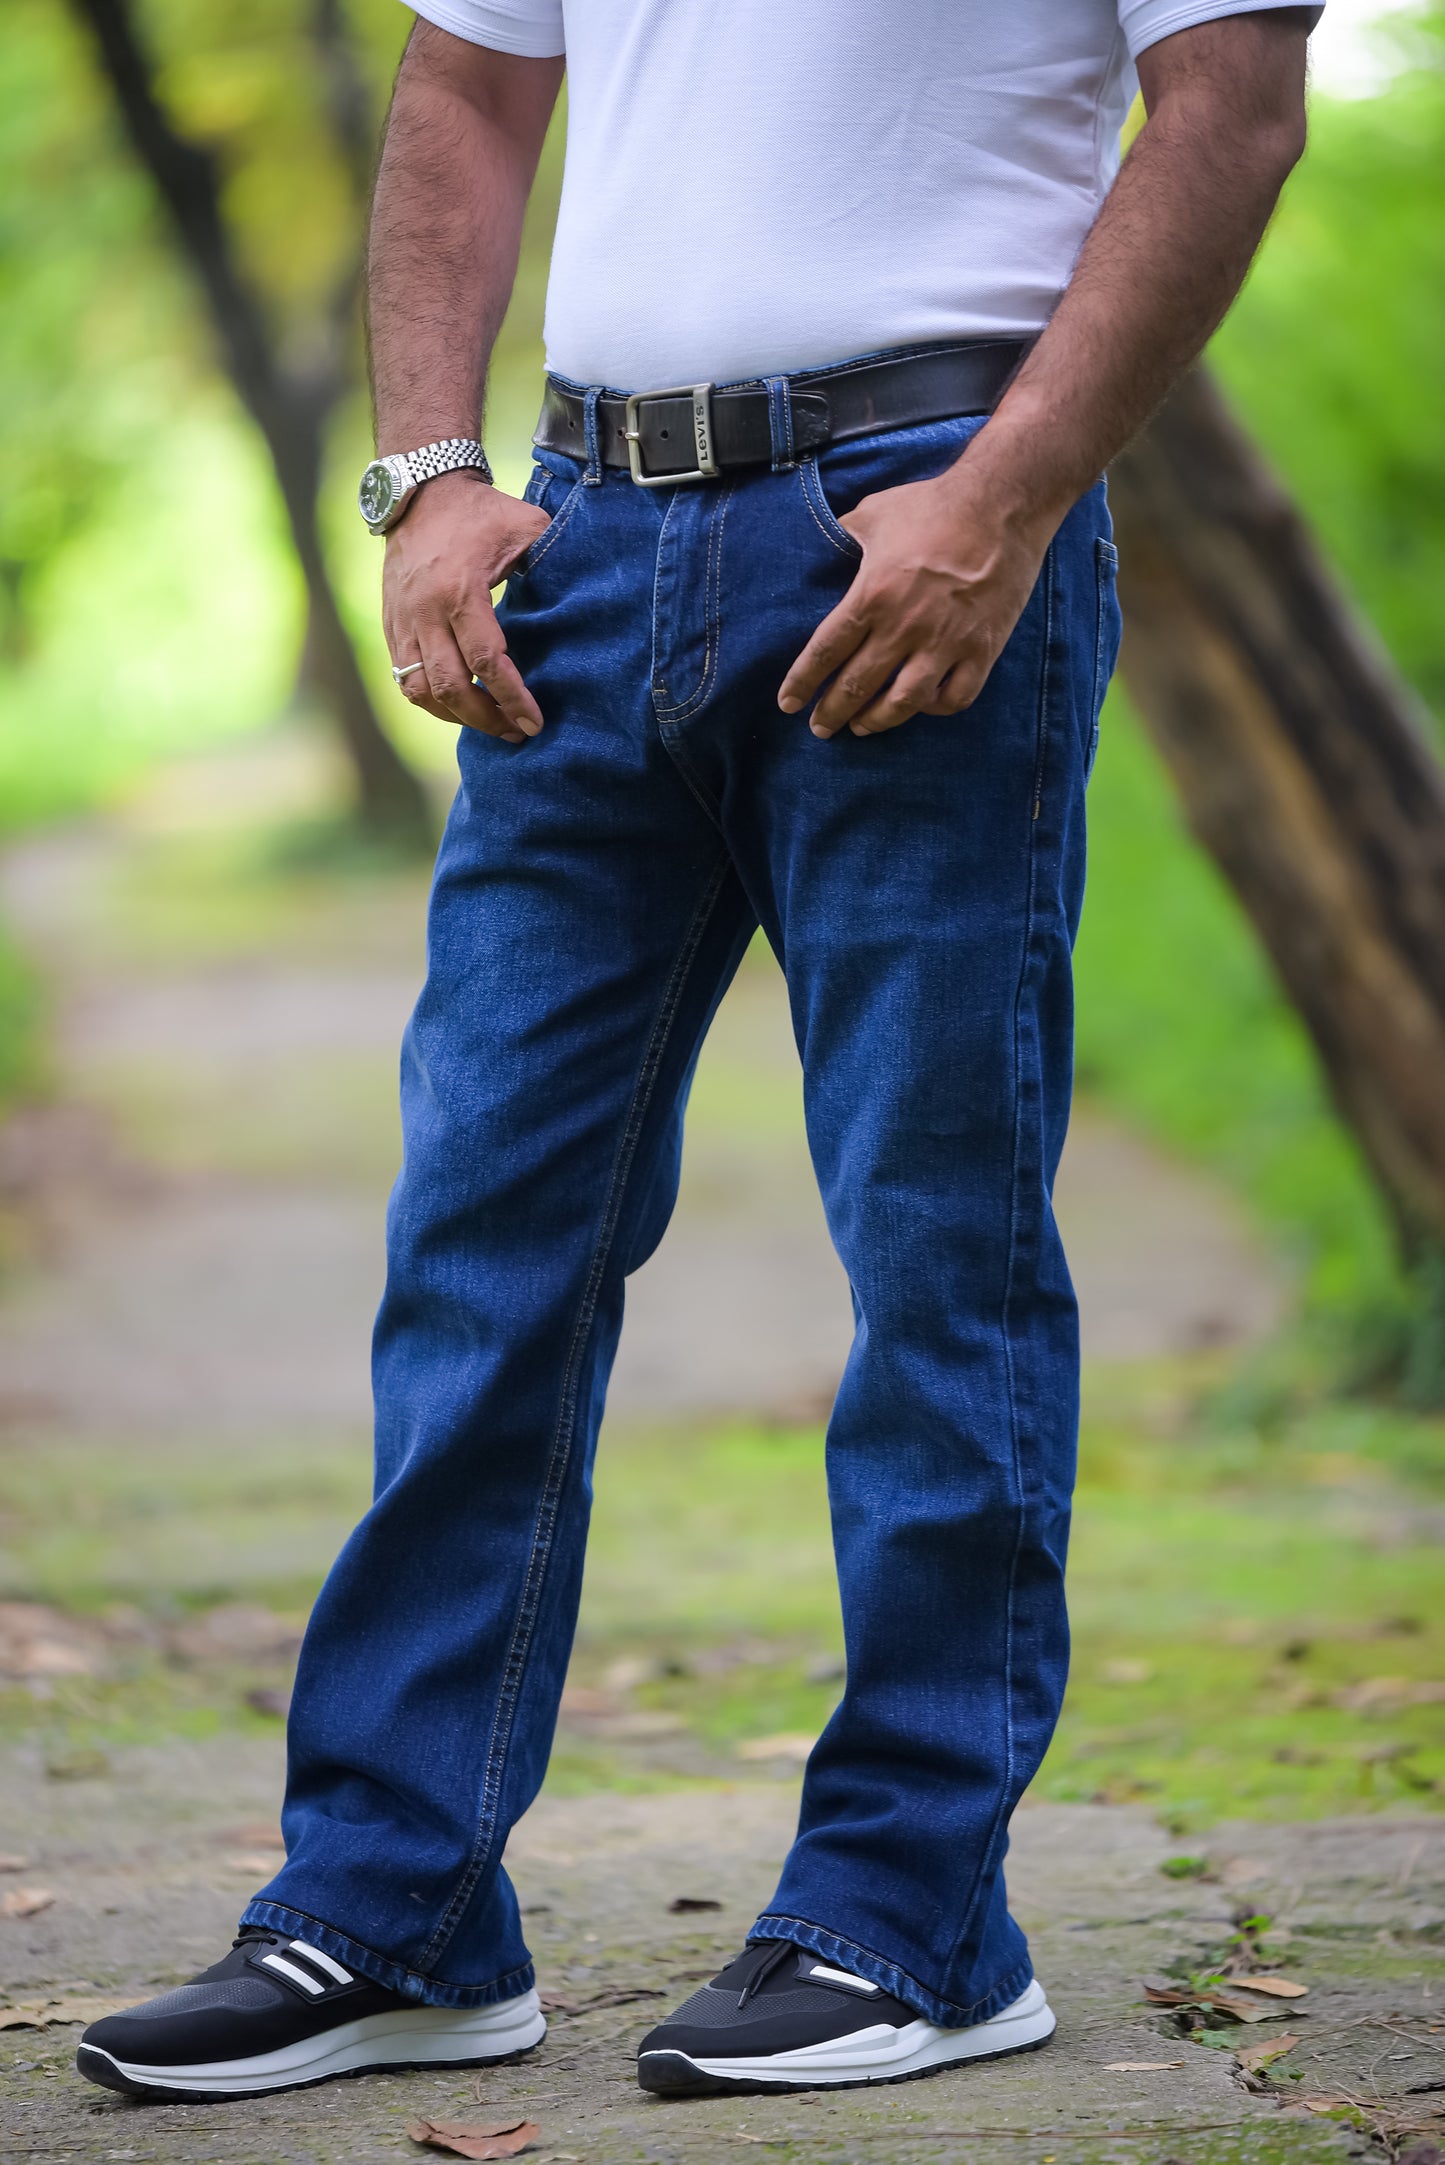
point(416, 691)
point(912, 691)
point(858, 682)
point(449, 681)
point(479, 637)
point(839, 635)
point(960, 687)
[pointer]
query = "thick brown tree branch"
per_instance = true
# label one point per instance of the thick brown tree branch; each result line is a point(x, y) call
point(1305, 770)
point(289, 406)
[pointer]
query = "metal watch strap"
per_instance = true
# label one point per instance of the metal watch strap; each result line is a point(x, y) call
point(445, 457)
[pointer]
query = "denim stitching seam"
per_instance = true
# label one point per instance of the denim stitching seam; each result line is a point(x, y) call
point(713, 618)
point(831, 530)
point(711, 608)
point(515, 1669)
point(560, 518)
point(676, 751)
point(656, 597)
point(1000, 1818)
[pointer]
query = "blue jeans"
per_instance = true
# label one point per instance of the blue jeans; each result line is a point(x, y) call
point(594, 892)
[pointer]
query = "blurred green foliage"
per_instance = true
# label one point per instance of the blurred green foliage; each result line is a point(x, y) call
point(1334, 352)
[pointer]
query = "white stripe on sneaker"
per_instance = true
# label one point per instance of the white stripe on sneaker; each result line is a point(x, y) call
point(324, 1962)
point(289, 1969)
point(842, 1977)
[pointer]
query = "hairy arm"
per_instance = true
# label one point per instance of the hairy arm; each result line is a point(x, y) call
point(462, 143)
point(949, 564)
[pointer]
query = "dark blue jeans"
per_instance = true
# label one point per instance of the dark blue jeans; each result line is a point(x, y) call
point(594, 893)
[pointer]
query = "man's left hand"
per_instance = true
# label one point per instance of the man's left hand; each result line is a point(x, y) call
point(943, 581)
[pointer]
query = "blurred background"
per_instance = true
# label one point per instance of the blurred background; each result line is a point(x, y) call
point(214, 816)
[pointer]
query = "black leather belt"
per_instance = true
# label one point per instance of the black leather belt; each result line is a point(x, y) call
point(692, 432)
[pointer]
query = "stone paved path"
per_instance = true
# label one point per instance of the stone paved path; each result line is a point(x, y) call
point(141, 1866)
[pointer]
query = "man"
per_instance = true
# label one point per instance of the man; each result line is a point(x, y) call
point(817, 641)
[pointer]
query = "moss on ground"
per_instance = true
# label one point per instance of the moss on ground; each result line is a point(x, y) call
point(1257, 1622)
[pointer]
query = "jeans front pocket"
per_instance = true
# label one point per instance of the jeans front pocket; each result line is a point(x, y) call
point(1108, 625)
point(822, 514)
point(558, 497)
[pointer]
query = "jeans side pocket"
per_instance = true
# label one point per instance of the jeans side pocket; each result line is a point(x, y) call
point(1107, 628)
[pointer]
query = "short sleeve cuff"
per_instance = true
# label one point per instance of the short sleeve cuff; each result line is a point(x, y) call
point(529, 28)
point(1145, 22)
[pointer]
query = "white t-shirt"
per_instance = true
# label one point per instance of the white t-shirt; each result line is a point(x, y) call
point(757, 186)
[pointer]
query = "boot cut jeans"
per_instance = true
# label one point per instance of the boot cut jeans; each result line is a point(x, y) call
point(594, 893)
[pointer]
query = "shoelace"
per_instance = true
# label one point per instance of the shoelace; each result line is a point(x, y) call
point(781, 1950)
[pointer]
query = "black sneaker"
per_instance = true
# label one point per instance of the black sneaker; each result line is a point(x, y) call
point(277, 2015)
point(779, 2019)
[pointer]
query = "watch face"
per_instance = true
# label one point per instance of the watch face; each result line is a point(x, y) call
point(378, 492)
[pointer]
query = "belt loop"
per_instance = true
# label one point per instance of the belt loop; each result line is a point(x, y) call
point(780, 423)
point(593, 474)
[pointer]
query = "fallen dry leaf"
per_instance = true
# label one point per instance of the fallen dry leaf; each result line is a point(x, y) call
point(1254, 2057)
point(682, 1905)
point(13, 1864)
point(1226, 2003)
point(470, 2138)
point(787, 1746)
point(1278, 1988)
point(25, 1902)
point(1163, 1994)
point(1140, 2067)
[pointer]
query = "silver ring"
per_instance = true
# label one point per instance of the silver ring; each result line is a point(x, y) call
point(409, 670)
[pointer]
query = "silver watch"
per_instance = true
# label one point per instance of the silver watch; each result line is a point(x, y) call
point(389, 484)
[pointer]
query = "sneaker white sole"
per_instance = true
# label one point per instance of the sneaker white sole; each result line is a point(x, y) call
point(407, 2037)
point(880, 2054)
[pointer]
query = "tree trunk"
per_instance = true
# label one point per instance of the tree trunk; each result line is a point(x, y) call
point(290, 409)
point(1305, 770)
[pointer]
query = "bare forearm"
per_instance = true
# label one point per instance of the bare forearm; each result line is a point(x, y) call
point(1166, 257)
point(461, 150)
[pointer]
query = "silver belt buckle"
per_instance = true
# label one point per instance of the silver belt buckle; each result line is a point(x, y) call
point(706, 468)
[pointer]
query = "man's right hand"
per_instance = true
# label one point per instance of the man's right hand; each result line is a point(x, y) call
point(458, 540)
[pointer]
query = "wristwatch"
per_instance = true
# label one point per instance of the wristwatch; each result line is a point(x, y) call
point(389, 484)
